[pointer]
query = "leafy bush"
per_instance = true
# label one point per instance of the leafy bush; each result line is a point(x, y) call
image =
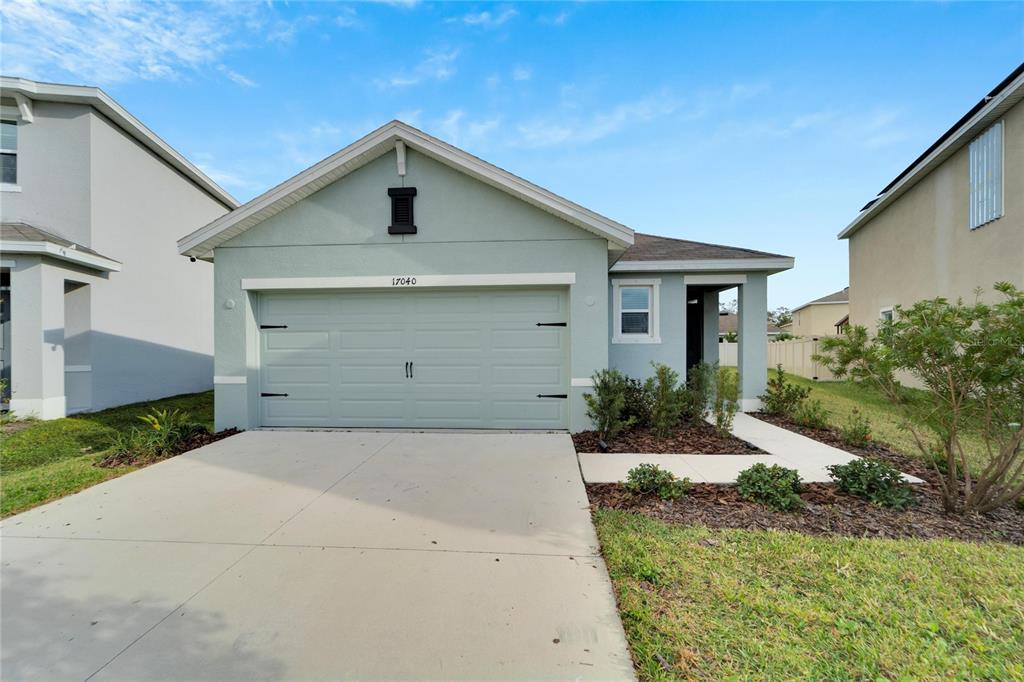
point(877, 482)
point(968, 359)
point(696, 395)
point(726, 399)
point(783, 397)
point(645, 479)
point(639, 403)
point(605, 405)
point(856, 430)
point(774, 486)
point(666, 399)
point(170, 429)
point(812, 414)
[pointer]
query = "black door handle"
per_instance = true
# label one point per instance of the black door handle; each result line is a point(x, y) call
point(411, 373)
point(406, 370)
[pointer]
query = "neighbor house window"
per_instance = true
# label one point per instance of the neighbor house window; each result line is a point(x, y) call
point(636, 311)
point(886, 314)
point(9, 152)
point(986, 168)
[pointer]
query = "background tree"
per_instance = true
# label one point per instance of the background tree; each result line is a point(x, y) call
point(780, 316)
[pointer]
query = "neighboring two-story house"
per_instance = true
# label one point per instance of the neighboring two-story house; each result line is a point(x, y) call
point(98, 308)
point(825, 316)
point(953, 221)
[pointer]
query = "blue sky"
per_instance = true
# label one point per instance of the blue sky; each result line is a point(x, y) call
point(761, 125)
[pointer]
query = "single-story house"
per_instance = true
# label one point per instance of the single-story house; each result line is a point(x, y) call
point(403, 282)
point(728, 323)
point(96, 306)
point(825, 316)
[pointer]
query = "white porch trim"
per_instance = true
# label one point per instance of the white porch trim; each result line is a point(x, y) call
point(407, 281)
point(228, 380)
point(738, 264)
point(64, 253)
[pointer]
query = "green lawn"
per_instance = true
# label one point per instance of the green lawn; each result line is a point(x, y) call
point(49, 459)
point(841, 397)
point(731, 604)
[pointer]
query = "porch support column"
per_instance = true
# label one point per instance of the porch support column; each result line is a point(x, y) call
point(37, 339)
point(753, 340)
point(710, 327)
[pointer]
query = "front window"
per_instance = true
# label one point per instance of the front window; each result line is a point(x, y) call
point(636, 311)
point(986, 168)
point(9, 152)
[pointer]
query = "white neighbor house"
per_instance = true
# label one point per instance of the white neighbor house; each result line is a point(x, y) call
point(98, 308)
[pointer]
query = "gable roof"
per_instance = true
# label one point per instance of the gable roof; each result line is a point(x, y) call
point(841, 296)
point(651, 252)
point(25, 238)
point(23, 88)
point(987, 111)
point(200, 244)
point(727, 322)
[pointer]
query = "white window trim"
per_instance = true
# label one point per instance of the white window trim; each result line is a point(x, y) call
point(887, 309)
point(1002, 176)
point(653, 334)
point(8, 186)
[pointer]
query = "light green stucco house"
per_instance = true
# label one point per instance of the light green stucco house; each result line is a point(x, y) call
point(402, 282)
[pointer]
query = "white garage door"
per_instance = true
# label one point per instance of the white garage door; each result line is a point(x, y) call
point(458, 358)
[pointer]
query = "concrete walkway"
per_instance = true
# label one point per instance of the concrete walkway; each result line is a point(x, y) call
point(784, 447)
point(326, 555)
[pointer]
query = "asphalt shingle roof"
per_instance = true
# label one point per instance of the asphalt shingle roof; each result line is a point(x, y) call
point(652, 247)
point(23, 232)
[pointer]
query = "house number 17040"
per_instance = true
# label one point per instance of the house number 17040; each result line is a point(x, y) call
point(403, 281)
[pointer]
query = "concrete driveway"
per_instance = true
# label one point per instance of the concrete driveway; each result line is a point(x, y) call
point(317, 555)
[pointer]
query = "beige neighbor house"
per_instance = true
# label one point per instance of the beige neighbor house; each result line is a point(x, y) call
point(825, 316)
point(96, 306)
point(953, 221)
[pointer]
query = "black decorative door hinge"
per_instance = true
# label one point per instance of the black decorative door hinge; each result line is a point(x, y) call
point(552, 395)
point(551, 324)
point(273, 326)
point(273, 395)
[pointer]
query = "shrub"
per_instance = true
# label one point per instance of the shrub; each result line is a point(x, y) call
point(877, 482)
point(783, 397)
point(169, 430)
point(639, 403)
point(646, 479)
point(856, 430)
point(725, 401)
point(666, 399)
point(605, 405)
point(967, 357)
point(696, 395)
point(774, 486)
point(812, 414)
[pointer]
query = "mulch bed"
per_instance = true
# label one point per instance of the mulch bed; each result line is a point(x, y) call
point(196, 441)
point(700, 438)
point(827, 512)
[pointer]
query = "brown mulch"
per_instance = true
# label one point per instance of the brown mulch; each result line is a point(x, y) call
point(196, 441)
point(700, 438)
point(827, 512)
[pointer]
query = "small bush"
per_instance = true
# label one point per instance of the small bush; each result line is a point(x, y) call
point(169, 430)
point(605, 405)
point(812, 414)
point(696, 395)
point(725, 401)
point(877, 482)
point(856, 430)
point(646, 479)
point(774, 486)
point(783, 397)
point(639, 403)
point(666, 399)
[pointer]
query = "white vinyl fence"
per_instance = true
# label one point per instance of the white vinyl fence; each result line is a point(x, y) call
point(794, 356)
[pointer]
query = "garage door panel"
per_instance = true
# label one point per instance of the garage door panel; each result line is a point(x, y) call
point(479, 359)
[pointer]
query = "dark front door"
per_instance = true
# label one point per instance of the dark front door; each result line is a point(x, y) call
point(694, 332)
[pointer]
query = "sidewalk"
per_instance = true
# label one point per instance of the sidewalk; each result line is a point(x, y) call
point(784, 447)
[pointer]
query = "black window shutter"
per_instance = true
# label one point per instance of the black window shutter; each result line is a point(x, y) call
point(401, 210)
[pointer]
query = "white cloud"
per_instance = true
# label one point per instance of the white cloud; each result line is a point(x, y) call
point(236, 77)
point(110, 42)
point(347, 18)
point(438, 65)
point(493, 81)
point(559, 19)
point(485, 19)
point(456, 129)
point(229, 179)
point(522, 73)
point(559, 129)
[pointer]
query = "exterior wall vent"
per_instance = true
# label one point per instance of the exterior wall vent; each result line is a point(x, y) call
point(401, 210)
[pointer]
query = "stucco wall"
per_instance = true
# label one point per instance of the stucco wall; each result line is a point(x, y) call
point(818, 319)
point(921, 246)
point(152, 326)
point(465, 227)
point(634, 359)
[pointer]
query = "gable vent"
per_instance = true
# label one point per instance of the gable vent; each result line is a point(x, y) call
point(401, 210)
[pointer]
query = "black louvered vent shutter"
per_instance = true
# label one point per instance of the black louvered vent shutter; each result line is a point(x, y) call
point(401, 210)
